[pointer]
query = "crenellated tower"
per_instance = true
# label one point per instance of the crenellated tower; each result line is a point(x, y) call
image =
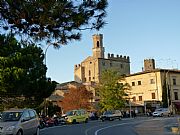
point(149, 64)
point(91, 69)
point(98, 49)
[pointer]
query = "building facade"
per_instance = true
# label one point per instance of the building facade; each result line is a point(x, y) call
point(92, 67)
point(147, 87)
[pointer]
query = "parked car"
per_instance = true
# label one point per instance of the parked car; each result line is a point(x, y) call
point(19, 122)
point(93, 116)
point(76, 116)
point(111, 115)
point(161, 112)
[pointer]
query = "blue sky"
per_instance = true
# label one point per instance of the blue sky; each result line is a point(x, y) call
point(140, 29)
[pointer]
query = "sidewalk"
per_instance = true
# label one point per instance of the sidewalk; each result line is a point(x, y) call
point(172, 127)
point(160, 128)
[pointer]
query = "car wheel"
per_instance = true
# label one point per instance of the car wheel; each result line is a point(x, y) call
point(111, 119)
point(37, 132)
point(86, 121)
point(102, 119)
point(162, 115)
point(19, 132)
point(74, 121)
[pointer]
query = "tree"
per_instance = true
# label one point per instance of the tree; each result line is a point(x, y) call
point(165, 92)
point(54, 21)
point(77, 98)
point(22, 74)
point(111, 92)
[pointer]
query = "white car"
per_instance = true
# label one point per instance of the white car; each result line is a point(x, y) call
point(161, 112)
point(19, 122)
point(111, 115)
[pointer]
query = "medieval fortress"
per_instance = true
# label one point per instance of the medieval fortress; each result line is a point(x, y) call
point(92, 67)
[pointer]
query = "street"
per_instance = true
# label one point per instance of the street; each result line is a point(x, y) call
point(136, 126)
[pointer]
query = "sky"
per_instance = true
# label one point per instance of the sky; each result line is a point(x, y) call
point(140, 29)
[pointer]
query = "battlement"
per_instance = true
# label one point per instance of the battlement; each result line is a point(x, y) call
point(77, 66)
point(98, 36)
point(119, 57)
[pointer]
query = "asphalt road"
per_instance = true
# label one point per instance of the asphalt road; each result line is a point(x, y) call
point(136, 126)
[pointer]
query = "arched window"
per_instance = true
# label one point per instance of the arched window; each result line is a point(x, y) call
point(98, 44)
point(89, 72)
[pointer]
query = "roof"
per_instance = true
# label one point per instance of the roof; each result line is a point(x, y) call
point(155, 70)
point(55, 98)
point(89, 58)
point(64, 85)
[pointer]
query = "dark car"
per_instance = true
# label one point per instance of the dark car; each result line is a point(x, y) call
point(111, 115)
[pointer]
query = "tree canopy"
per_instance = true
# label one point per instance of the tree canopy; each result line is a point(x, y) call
point(77, 98)
point(111, 92)
point(53, 21)
point(22, 73)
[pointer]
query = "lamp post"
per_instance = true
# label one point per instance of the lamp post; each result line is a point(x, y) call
point(145, 110)
point(46, 52)
point(130, 106)
point(45, 100)
point(130, 115)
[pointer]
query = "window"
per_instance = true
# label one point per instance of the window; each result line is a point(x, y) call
point(176, 95)
point(140, 98)
point(90, 62)
point(89, 78)
point(121, 84)
point(110, 64)
point(174, 81)
point(152, 81)
point(133, 83)
point(32, 114)
point(153, 95)
point(139, 82)
point(134, 99)
point(89, 72)
point(121, 65)
point(26, 115)
point(98, 44)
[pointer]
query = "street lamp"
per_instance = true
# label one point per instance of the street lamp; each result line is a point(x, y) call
point(130, 115)
point(130, 106)
point(46, 52)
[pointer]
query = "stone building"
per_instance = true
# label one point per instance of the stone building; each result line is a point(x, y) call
point(91, 68)
point(147, 87)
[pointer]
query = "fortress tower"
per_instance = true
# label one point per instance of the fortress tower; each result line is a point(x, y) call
point(149, 64)
point(90, 69)
point(98, 49)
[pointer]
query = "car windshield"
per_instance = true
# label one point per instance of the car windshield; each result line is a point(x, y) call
point(10, 116)
point(107, 112)
point(158, 110)
point(70, 113)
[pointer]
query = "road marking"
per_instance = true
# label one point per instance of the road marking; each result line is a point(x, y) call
point(86, 131)
point(115, 125)
point(111, 127)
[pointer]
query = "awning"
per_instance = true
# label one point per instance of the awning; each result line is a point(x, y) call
point(177, 104)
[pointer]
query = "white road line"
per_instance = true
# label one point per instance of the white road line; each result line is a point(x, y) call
point(97, 131)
